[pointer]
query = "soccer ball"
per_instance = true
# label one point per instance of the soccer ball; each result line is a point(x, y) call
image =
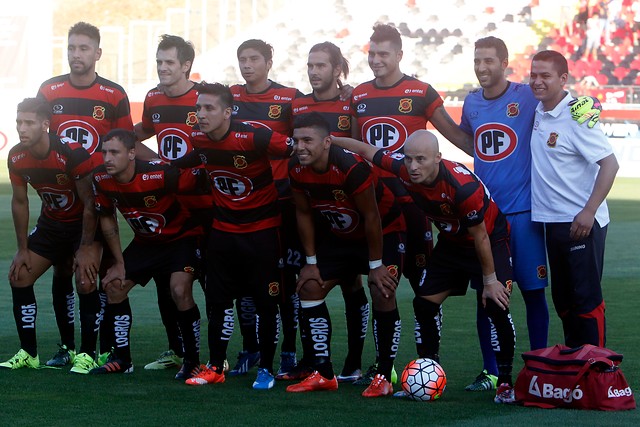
point(423, 380)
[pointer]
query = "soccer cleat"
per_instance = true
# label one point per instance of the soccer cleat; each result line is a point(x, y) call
point(63, 357)
point(288, 363)
point(505, 394)
point(168, 359)
point(113, 366)
point(188, 370)
point(83, 364)
point(401, 394)
point(264, 380)
point(349, 377)
point(206, 375)
point(483, 382)
point(103, 358)
point(22, 359)
point(299, 372)
point(314, 382)
point(379, 387)
point(367, 377)
point(245, 362)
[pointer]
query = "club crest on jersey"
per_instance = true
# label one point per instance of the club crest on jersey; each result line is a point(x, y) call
point(406, 105)
point(150, 201)
point(62, 179)
point(339, 195)
point(542, 272)
point(240, 162)
point(274, 289)
point(344, 122)
point(509, 285)
point(553, 139)
point(275, 111)
point(421, 260)
point(513, 109)
point(189, 269)
point(192, 118)
point(393, 270)
point(446, 209)
point(98, 112)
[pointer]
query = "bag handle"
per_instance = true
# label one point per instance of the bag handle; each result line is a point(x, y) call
point(587, 365)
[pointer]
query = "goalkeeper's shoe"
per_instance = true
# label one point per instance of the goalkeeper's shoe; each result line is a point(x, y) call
point(314, 382)
point(245, 362)
point(114, 365)
point(63, 357)
point(367, 377)
point(83, 364)
point(22, 359)
point(484, 381)
point(168, 359)
point(379, 387)
point(207, 375)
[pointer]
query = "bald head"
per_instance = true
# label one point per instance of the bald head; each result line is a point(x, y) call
point(422, 157)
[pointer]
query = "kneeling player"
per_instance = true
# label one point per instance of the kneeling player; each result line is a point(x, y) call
point(366, 225)
point(473, 243)
point(164, 245)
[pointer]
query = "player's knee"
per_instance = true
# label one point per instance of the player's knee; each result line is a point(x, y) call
point(312, 290)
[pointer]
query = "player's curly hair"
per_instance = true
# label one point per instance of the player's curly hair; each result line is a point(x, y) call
point(386, 33)
point(39, 106)
point(85, 29)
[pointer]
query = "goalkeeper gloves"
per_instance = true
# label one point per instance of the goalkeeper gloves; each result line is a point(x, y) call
point(586, 109)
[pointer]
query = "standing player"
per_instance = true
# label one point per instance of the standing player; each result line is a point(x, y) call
point(60, 173)
point(261, 102)
point(243, 248)
point(366, 224)
point(325, 67)
point(164, 243)
point(500, 118)
point(573, 170)
point(169, 114)
point(386, 111)
point(473, 243)
point(85, 107)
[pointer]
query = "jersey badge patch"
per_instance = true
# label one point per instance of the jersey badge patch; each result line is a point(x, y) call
point(542, 272)
point(344, 122)
point(274, 289)
point(553, 139)
point(275, 111)
point(339, 195)
point(98, 112)
point(406, 105)
point(62, 179)
point(192, 118)
point(150, 201)
point(240, 162)
point(513, 109)
point(445, 208)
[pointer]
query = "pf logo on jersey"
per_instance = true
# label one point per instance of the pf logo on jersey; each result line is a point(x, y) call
point(172, 143)
point(342, 220)
point(192, 119)
point(344, 122)
point(553, 139)
point(513, 109)
point(145, 223)
point(275, 111)
point(234, 186)
point(81, 132)
point(98, 112)
point(57, 200)
point(406, 105)
point(384, 132)
point(494, 142)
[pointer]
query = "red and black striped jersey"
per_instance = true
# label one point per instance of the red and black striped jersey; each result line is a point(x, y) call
point(244, 195)
point(271, 109)
point(149, 201)
point(455, 201)
point(336, 112)
point(53, 177)
point(388, 115)
point(86, 114)
point(331, 193)
point(171, 119)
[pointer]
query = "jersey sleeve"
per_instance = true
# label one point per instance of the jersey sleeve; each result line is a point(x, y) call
point(392, 162)
point(434, 100)
point(471, 203)
point(147, 123)
point(123, 114)
point(278, 144)
point(358, 178)
point(81, 162)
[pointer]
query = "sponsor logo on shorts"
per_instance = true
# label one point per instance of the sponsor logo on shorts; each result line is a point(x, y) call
point(421, 260)
point(393, 270)
point(509, 285)
point(553, 139)
point(274, 289)
point(577, 248)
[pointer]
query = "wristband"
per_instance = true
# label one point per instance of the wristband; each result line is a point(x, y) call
point(487, 280)
point(375, 264)
point(312, 260)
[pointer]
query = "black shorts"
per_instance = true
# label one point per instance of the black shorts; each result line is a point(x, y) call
point(339, 258)
point(244, 264)
point(292, 251)
point(419, 241)
point(55, 241)
point(452, 266)
point(143, 260)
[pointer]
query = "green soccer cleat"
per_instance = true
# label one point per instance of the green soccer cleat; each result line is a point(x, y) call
point(63, 357)
point(168, 359)
point(483, 382)
point(103, 358)
point(22, 359)
point(83, 363)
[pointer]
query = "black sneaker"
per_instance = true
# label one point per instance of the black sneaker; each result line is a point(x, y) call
point(188, 370)
point(113, 366)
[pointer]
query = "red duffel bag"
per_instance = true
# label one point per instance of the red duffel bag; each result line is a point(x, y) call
point(586, 377)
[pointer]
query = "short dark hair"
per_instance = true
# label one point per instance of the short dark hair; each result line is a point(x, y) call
point(265, 49)
point(217, 89)
point(36, 105)
point(184, 49)
point(312, 120)
point(386, 33)
point(556, 58)
point(127, 137)
point(496, 43)
point(335, 56)
point(85, 29)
